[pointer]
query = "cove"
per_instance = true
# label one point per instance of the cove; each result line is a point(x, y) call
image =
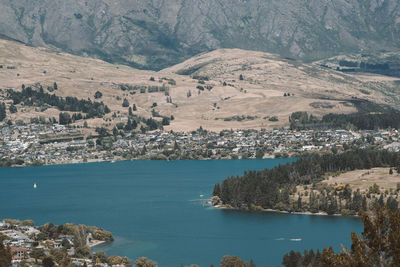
point(154, 209)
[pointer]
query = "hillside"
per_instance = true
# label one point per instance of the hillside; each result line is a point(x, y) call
point(155, 34)
point(380, 63)
point(223, 89)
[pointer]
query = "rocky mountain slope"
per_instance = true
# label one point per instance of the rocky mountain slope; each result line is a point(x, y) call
point(157, 33)
point(223, 89)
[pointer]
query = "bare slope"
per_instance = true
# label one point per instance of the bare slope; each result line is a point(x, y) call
point(221, 101)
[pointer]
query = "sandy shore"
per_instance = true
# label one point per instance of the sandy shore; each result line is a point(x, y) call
point(96, 243)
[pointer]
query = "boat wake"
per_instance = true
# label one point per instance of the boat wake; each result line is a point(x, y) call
point(289, 239)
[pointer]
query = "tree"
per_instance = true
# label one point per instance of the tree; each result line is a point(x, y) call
point(82, 251)
point(273, 118)
point(233, 261)
point(3, 112)
point(79, 236)
point(165, 121)
point(134, 107)
point(64, 118)
point(48, 262)
point(176, 146)
point(130, 112)
point(241, 77)
point(98, 95)
point(390, 171)
point(55, 86)
point(37, 253)
point(5, 256)
point(259, 153)
point(101, 256)
point(13, 109)
point(145, 262)
point(66, 262)
point(125, 103)
point(379, 244)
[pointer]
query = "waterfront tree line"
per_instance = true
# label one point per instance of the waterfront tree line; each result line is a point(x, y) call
point(30, 97)
point(275, 188)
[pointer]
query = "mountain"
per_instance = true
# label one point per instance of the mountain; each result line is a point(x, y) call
point(157, 33)
point(222, 89)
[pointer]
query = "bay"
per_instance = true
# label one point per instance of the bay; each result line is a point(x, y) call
point(155, 209)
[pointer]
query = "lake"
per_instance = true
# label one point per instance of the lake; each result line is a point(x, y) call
point(155, 209)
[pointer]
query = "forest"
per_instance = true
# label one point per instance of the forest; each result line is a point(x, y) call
point(357, 121)
point(369, 116)
point(276, 188)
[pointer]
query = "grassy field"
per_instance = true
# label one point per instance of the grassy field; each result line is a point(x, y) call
point(364, 179)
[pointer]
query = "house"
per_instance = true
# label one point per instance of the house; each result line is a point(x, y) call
point(18, 253)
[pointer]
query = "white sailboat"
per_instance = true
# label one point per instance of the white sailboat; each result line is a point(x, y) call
point(35, 185)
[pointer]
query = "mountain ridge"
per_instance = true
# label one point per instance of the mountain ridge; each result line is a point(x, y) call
point(156, 34)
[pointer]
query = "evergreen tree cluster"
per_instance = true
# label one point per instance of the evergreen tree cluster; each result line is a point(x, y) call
point(65, 118)
point(30, 97)
point(271, 188)
point(3, 111)
point(308, 258)
point(359, 120)
point(134, 121)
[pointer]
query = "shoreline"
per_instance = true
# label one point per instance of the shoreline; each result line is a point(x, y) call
point(120, 160)
point(320, 213)
point(96, 243)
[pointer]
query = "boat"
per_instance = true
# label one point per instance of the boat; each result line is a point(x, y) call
point(35, 185)
point(295, 239)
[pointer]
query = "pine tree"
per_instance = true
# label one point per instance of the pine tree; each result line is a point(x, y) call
point(13, 109)
point(125, 103)
point(3, 112)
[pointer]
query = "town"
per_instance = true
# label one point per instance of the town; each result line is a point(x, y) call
point(49, 244)
point(42, 144)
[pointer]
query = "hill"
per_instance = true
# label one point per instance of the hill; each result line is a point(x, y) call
point(223, 89)
point(156, 34)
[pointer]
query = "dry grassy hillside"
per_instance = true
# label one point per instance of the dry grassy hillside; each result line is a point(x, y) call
point(254, 99)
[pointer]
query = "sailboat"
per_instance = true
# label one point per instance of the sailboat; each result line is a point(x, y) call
point(35, 185)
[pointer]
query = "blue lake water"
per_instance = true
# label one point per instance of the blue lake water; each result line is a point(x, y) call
point(153, 210)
